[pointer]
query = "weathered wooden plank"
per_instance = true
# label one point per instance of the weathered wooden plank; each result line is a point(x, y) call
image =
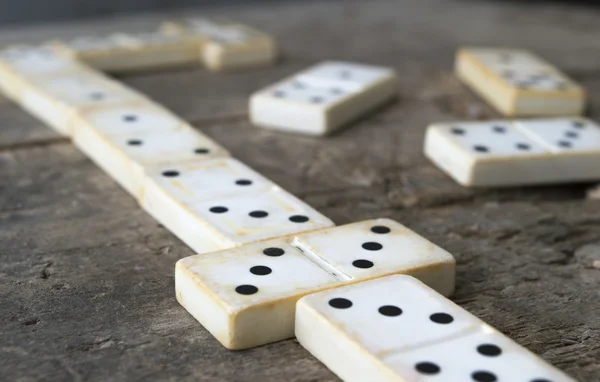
point(86, 277)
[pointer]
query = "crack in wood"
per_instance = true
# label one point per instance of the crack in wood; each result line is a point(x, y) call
point(35, 144)
point(234, 116)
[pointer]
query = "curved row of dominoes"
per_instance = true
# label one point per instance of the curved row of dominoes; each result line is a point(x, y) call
point(350, 294)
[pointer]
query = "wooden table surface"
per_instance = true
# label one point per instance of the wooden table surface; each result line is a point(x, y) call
point(86, 276)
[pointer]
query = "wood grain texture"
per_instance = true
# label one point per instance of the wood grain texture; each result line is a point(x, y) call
point(86, 277)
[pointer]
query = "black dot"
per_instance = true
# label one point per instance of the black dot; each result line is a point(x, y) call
point(246, 289)
point(564, 144)
point(441, 318)
point(572, 134)
point(260, 270)
point(541, 380)
point(523, 146)
point(458, 131)
point(578, 125)
point(340, 303)
point(484, 376)
point(508, 74)
point(218, 210)
point(499, 129)
point(279, 93)
point(259, 214)
point(390, 310)
point(489, 350)
point(129, 118)
point(134, 142)
point(380, 229)
point(273, 251)
point(316, 99)
point(481, 149)
point(427, 368)
point(372, 246)
point(97, 96)
point(298, 218)
point(202, 151)
point(243, 182)
point(505, 57)
point(345, 74)
point(363, 264)
point(170, 173)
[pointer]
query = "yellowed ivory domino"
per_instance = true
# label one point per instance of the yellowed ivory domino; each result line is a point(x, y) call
point(323, 98)
point(218, 204)
point(22, 67)
point(226, 45)
point(127, 140)
point(397, 329)
point(57, 99)
point(124, 52)
point(246, 296)
point(54, 88)
point(518, 83)
point(515, 153)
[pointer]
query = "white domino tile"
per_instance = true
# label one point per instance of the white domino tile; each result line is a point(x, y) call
point(417, 314)
point(125, 52)
point(322, 98)
point(21, 67)
point(565, 135)
point(246, 296)
point(250, 315)
point(237, 219)
point(349, 76)
point(34, 61)
point(225, 45)
point(203, 180)
point(481, 355)
point(139, 116)
point(518, 83)
point(374, 248)
point(250, 217)
point(57, 100)
point(226, 201)
point(516, 153)
point(127, 155)
point(397, 329)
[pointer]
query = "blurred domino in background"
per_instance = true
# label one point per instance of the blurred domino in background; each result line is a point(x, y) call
point(125, 52)
point(518, 83)
point(323, 98)
point(225, 45)
point(515, 153)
